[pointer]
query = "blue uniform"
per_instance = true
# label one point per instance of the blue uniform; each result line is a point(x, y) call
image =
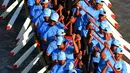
point(30, 3)
point(50, 33)
point(102, 64)
point(42, 28)
point(51, 47)
point(94, 13)
point(79, 20)
point(60, 25)
point(69, 52)
point(35, 11)
point(59, 68)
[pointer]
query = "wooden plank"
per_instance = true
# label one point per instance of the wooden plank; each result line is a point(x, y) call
point(108, 11)
point(112, 21)
point(24, 56)
point(125, 44)
point(108, 3)
point(32, 63)
point(15, 15)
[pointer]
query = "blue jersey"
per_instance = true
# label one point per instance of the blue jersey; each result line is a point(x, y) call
point(51, 47)
point(35, 11)
point(50, 33)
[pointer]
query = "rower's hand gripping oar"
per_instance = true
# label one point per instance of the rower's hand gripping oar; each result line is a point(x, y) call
point(104, 45)
point(72, 20)
point(108, 63)
point(110, 52)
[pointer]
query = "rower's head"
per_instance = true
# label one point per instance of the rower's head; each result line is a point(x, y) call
point(60, 42)
point(47, 14)
point(99, 4)
point(45, 4)
point(118, 66)
point(61, 57)
point(114, 45)
point(118, 53)
point(54, 19)
point(102, 16)
point(37, 2)
point(108, 33)
point(61, 32)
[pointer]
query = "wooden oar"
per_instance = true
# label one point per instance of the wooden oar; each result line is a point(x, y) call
point(24, 56)
point(5, 3)
point(9, 9)
point(15, 15)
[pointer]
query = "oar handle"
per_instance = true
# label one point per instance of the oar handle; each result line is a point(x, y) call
point(95, 24)
point(75, 62)
point(112, 67)
point(67, 24)
point(86, 1)
point(57, 10)
point(87, 12)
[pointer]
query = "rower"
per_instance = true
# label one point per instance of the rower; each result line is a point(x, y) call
point(61, 65)
point(42, 18)
point(70, 49)
point(49, 33)
point(94, 11)
point(31, 3)
point(119, 65)
point(54, 44)
point(35, 10)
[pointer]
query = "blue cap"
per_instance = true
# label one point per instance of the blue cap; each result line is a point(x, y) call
point(72, 71)
point(99, 1)
point(69, 66)
point(59, 40)
point(108, 30)
point(61, 55)
point(47, 12)
point(115, 42)
point(103, 26)
point(119, 50)
point(103, 12)
point(118, 66)
point(61, 32)
point(45, 1)
point(55, 17)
